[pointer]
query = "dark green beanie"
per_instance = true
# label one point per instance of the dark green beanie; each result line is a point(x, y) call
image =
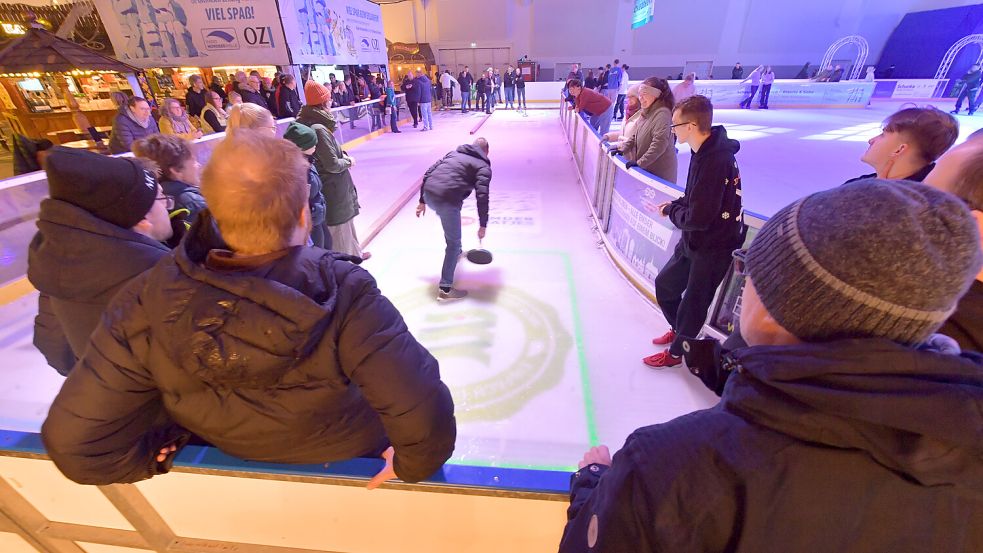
point(303, 136)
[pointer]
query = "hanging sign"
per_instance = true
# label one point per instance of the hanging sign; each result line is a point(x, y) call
point(198, 33)
point(644, 13)
point(334, 32)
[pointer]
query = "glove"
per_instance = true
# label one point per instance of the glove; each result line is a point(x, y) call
point(630, 164)
point(179, 224)
point(615, 152)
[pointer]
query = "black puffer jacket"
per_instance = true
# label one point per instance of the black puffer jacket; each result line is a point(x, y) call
point(298, 360)
point(710, 214)
point(185, 196)
point(460, 172)
point(856, 445)
point(79, 262)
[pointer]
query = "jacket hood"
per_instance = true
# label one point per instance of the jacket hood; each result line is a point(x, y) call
point(244, 329)
point(473, 151)
point(719, 142)
point(77, 256)
point(310, 115)
point(918, 413)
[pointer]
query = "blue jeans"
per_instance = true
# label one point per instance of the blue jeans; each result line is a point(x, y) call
point(450, 220)
point(426, 110)
point(521, 95)
point(510, 96)
point(465, 100)
point(602, 122)
point(490, 103)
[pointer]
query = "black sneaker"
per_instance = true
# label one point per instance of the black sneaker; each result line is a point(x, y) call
point(453, 294)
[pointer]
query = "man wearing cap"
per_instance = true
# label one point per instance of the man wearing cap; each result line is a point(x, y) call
point(846, 425)
point(103, 225)
point(266, 348)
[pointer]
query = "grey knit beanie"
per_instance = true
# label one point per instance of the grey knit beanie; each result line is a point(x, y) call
point(872, 259)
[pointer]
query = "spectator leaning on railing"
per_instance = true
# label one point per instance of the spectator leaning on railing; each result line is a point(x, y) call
point(596, 105)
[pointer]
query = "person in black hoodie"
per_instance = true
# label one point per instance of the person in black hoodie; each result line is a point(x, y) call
point(711, 217)
point(266, 348)
point(412, 91)
point(970, 90)
point(911, 141)
point(446, 184)
point(288, 98)
point(465, 79)
point(103, 225)
point(845, 426)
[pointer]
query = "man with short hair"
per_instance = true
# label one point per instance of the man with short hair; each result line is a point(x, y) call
point(196, 98)
point(260, 345)
point(288, 99)
point(412, 90)
point(250, 92)
point(598, 106)
point(445, 186)
point(970, 89)
point(425, 87)
point(615, 74)
point(447, 82)
point(711, 218)
point(104, 224)
point(465, 79)
point(845, 426)
point(737, 72)
point(619, 106)
point(911, 141)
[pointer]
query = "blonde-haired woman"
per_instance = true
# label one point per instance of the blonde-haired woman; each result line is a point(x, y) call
point(250, 116)
point(174, 120)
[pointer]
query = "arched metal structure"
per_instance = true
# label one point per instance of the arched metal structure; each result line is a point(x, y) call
point(950, 56)
point(863, 49)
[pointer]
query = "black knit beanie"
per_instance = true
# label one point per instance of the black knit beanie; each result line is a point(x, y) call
point(877, 258)
point(115, 189)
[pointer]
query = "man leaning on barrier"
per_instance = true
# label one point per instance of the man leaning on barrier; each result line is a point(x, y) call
point(246, 337)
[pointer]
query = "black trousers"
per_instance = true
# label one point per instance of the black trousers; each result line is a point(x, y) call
point(967, 93)
point(765, 95)
point(414, 111)
point(750, 97)
point(685, 288)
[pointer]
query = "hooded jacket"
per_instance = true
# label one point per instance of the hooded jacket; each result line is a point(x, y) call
point(79, 262)
point(425, 88)
point(337, 185)
point(185, 196)
point(288, 102)
point(710, 212)
point(297, 359)
point(126, 131)
point(456, 175)
point(854, 445)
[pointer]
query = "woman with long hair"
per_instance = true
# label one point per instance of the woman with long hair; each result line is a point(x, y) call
point(650, 144)
point(174, 120)
point(251, 117)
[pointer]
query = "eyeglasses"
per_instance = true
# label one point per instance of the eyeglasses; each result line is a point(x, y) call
point(740, 261)
point(168, 201)
point(673, 127)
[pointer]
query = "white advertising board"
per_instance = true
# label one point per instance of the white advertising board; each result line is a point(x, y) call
point(200, 33)
point(334, 32)
point(916, 88)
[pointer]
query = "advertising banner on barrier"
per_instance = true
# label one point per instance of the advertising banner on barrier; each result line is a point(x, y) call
point(918, 88)
point(642, 236)
point(174, 33)
point(790, 93)
point(334, 32)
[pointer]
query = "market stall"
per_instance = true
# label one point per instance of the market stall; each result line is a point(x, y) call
point(56, 89)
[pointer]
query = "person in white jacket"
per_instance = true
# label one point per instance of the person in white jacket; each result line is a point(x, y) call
point(447, 81)
point(622, 94)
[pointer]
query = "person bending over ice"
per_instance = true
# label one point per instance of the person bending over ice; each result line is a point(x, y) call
point(445, 186)
point(266, 348)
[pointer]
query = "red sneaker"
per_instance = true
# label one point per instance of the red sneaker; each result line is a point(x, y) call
point(665, 339)
point(662, 359)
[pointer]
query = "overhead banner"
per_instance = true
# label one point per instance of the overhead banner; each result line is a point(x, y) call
point(644, 13)
point(210, 33)
point(334, 32)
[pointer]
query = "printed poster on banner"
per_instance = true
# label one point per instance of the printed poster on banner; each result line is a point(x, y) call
point(334, 32)
point(199, 33)
point(644, 13)
point(916, 88)
point(642, 236)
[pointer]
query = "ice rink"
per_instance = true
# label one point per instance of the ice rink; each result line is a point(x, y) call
point(544, 356)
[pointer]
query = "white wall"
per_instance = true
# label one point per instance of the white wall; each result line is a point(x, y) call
point(777, 32)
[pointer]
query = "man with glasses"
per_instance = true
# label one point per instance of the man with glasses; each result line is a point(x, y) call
point(711, 218)
point(251, 92)
point(104, 224)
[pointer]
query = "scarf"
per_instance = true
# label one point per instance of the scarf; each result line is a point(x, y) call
point(181, 125)
point(129, 113)
point(318, 115)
